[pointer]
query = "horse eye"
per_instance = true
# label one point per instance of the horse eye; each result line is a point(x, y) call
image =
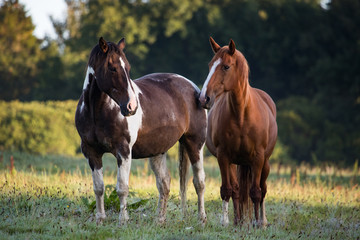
point(226, 67)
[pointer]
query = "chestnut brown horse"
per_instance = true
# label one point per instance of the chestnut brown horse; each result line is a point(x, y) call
point(139, 119)
point(242, 131)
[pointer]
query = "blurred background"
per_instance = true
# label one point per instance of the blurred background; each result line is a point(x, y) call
point(304, 53)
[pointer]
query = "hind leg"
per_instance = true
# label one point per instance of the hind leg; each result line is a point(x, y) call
point(158, 165)
point(195, 153)
point(183, 172)
point(255, 190)
point(199, 182)
point(235, 193)
point(264, 175)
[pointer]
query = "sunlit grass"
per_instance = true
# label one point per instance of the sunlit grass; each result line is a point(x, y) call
point(53, 202)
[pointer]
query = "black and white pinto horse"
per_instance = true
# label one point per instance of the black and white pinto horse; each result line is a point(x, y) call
point(139, 119)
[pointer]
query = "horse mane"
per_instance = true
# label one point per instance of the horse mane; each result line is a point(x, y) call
point(243, 66)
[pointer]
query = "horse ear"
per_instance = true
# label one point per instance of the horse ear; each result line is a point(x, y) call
point(215, 47)
point(103, 45)
point(231, 47)
point(121, 44)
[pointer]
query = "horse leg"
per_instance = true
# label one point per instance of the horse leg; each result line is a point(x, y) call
point(158, 165)
point(235, 192)
point(197, 163)
point(225, 189)
point(122, 185)
point(264, 175)
point(255, 190)
point(95, 163)
point(183, 172)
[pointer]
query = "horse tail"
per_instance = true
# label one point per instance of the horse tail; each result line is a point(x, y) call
point(244, 179)
point(183, 172)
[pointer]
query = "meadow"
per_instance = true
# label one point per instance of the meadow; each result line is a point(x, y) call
point(51, 197)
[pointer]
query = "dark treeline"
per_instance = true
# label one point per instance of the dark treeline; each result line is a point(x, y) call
point(307, 57)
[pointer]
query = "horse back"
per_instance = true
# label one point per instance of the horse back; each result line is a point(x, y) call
point(170, 110)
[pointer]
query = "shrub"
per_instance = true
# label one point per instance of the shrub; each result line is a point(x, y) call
point(39, 127)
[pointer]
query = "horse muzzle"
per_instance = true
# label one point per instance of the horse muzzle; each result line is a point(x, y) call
point(128, 109)
point(205, 101)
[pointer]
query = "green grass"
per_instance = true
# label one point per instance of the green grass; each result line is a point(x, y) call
point(50, 197)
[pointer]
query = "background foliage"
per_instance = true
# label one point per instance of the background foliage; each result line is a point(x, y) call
point(39, 127)
point(305, 56)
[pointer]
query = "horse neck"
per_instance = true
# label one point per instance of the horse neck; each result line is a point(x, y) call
point(93, 96)
point(239, 98)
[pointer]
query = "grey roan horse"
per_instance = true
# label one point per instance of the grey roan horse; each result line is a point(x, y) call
point(139, 119)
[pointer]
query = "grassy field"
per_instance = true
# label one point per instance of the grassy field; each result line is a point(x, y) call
point(51, 197)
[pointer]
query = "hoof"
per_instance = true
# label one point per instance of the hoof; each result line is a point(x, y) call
point(202, 220)
point(260, 224)
point(161, 220)
point(123, 218)
point(100, 217)
point(224, 221)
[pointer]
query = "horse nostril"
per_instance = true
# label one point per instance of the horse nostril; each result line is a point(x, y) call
point(207, 99)
point(129, 107)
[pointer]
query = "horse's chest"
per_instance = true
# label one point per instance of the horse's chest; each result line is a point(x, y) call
point(231, 139)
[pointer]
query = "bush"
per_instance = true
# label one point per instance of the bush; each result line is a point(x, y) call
point(39, 127)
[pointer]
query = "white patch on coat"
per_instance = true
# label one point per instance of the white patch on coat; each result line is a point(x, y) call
point(82, 106)
point(89, 70)
point(212, 70)
point(135, 121)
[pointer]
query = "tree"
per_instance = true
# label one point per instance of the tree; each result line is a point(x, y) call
point(19, 52)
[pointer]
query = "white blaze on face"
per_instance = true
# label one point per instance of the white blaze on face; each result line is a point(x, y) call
point(90, 70)
point(130, 91)
point(212, 70)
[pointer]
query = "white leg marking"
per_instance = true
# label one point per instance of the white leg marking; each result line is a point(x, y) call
point(212, 70)
point(158, 165)
point(199, 184)
point(90, 70)
point(122, 187)
point(99, 189)
point(263, 214)
point(225, 213)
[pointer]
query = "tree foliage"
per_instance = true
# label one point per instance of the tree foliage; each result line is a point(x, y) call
point(19, 52)
point(305, 56)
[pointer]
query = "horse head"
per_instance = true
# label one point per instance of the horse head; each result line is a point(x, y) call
point(111, 70)
point(225, 69)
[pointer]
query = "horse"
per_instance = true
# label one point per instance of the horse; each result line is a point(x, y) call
point(242, 132)
point(140, 118)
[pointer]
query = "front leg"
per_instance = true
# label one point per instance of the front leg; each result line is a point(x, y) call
point(226, 188)
point(95, 163)
point(122, 186)
point(99, 189)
